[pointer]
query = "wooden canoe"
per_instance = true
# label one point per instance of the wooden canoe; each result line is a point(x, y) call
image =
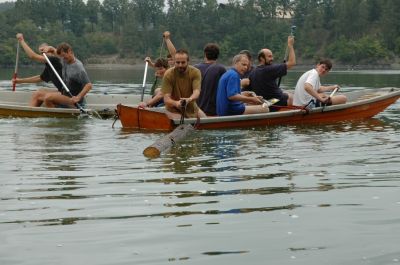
point(361, 104)
point(15, 104)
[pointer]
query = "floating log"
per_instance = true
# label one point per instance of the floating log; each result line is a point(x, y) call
point(166, 142)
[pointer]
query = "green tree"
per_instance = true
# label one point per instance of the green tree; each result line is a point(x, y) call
point(77, 17)
point(92, 11)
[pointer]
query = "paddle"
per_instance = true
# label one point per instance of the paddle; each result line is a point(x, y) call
point(144, 80)
point(16, 67)
point(329, 100)
point(292, 29)
point(334, 91)
point(65, 86)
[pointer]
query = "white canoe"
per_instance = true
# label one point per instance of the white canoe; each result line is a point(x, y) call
point(16, 104)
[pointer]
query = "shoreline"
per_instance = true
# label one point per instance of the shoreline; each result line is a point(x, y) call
point(305, 66)
point(339, 67)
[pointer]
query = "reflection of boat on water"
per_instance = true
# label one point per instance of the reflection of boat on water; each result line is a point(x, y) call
point(361, 105)
point(15, 104)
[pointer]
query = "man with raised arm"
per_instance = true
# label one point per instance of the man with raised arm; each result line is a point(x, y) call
point(74, 76)
point(264, 78)
point(161, 65)
point(181, 87)
point(47, 75)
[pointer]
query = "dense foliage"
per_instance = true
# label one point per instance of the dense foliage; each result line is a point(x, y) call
point(349, 31)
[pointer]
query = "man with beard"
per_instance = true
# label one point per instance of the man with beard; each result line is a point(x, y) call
point(263, 79)
point(181, 88)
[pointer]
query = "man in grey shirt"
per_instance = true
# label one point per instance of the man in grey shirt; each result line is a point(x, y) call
point(74, 76)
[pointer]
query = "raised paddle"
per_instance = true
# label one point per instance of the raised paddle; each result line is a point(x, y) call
point(85, 112)
point(16, 67)
point(292, 29)
point(144, 80)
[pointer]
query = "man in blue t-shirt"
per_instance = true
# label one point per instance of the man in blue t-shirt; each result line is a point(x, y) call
point(263, 79)
point(230, 100)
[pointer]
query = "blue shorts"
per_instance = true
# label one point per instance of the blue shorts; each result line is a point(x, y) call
point(238, 110)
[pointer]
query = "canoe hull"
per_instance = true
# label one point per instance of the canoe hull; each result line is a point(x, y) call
point(363, 107)
point(15, 104)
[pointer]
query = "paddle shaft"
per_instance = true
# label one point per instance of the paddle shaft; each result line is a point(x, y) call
point(161, 48)
point(144, 80)
point(62, 82)
point(333, 92)
point(292, 28)
point(16, 67)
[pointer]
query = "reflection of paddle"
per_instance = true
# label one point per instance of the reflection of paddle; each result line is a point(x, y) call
point(16, 67)
point(165, 143)
point(66, 88)
point(144, 80)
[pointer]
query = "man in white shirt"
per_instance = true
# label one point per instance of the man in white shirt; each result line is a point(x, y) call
point(310, 92)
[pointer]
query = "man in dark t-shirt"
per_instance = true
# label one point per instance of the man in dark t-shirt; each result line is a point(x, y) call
point(47, 75)
point(263, 79)
point(211, 72)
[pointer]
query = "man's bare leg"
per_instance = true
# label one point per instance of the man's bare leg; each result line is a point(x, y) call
point(51, 100)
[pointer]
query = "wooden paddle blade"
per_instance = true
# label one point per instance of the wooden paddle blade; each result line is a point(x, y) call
point(166, 142)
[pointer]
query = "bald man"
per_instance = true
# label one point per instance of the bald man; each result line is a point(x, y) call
point(264, 78)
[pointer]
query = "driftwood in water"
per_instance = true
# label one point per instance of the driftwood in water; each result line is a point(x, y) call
point(165, 143)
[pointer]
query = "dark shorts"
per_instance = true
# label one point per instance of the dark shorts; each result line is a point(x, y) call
point(237, 111)
point(160, 103)
point(282, 102)
point(317, 103)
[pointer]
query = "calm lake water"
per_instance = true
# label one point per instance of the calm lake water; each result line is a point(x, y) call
point(76, 191)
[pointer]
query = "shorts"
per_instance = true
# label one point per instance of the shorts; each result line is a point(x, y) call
point(314, 103)
point(282, 102)
point(239, 110)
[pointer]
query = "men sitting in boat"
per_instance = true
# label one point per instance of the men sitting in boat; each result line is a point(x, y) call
point(245, 81)
point(182, 84)
point(161, 65)
point(74, 76)
point(263, 79)
point(211, 72)
point(310, 93)
point(47, 75)
point(230, 100)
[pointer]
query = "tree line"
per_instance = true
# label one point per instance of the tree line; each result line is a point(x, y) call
point(347, 31)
